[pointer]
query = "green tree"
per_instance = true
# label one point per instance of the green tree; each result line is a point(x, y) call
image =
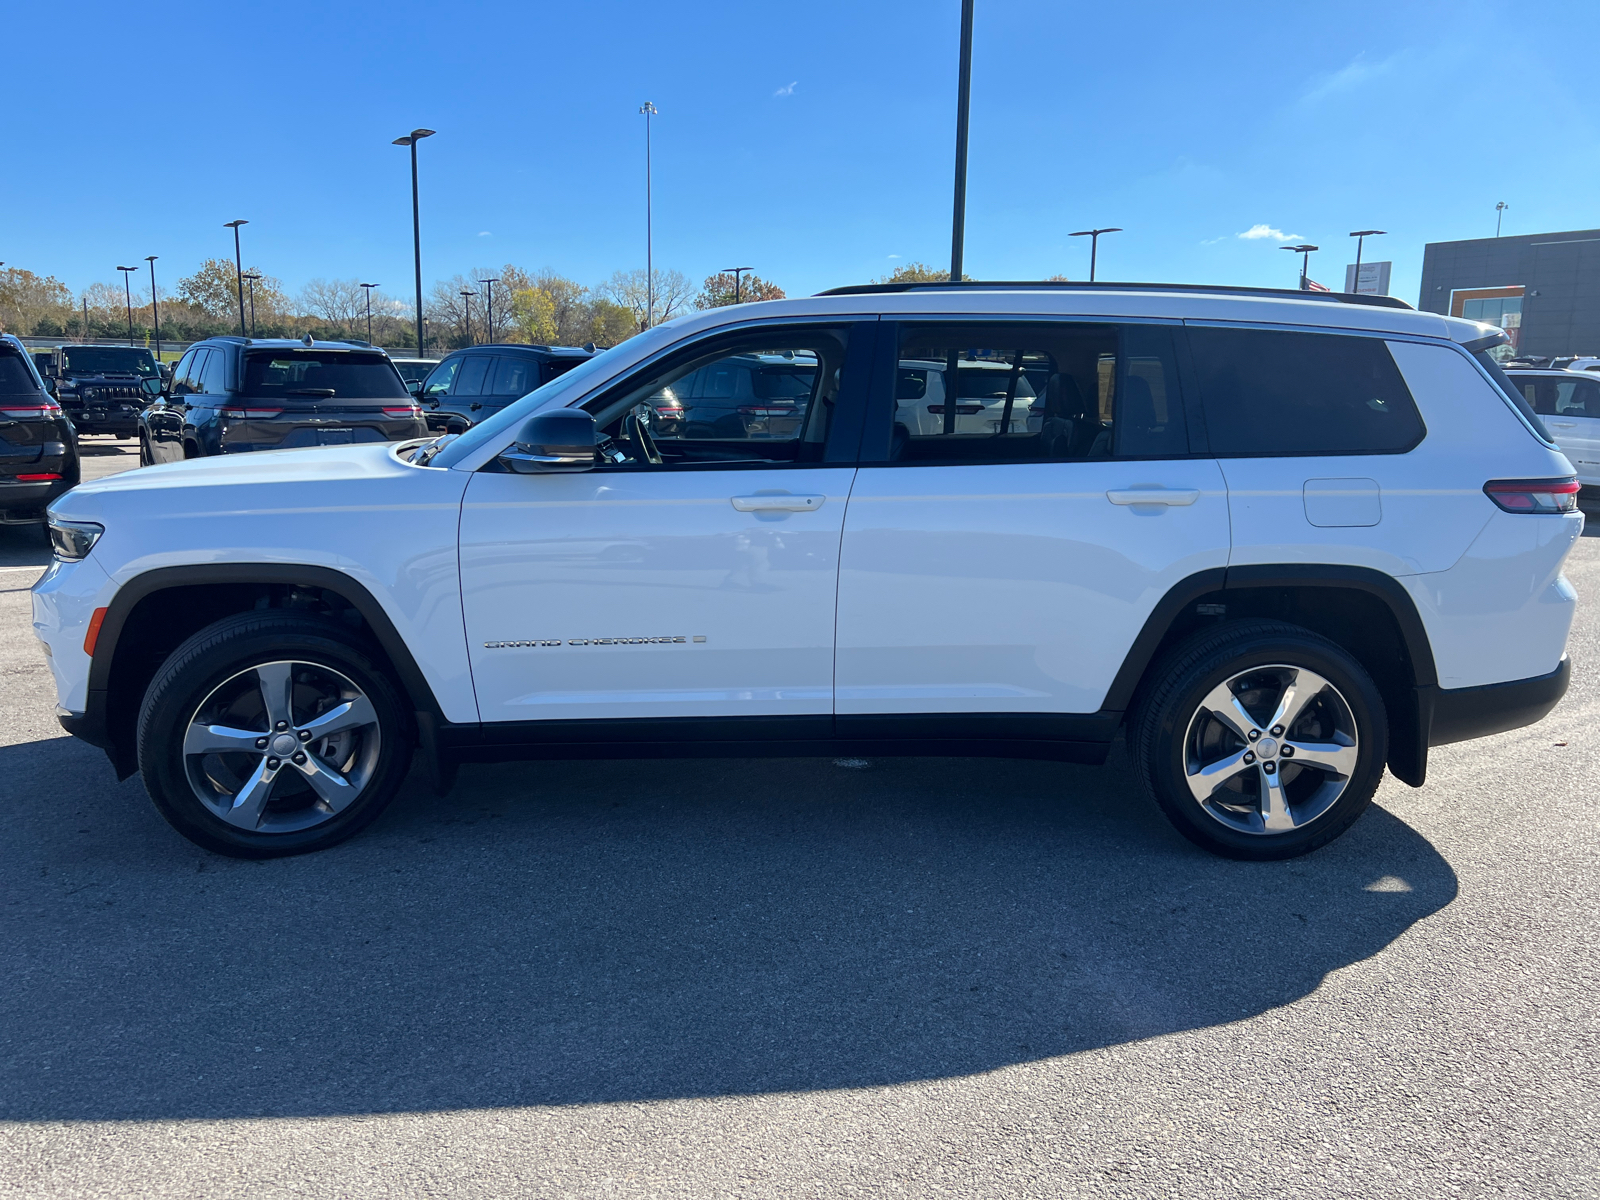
point(718, 291)
point(917, 272)
point(212, 292)
point(29, 301)
point(533, 313)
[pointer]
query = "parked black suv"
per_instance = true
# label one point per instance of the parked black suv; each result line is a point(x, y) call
point(38, 449)
point(471, 384)
point(231, 394)
point(102, 389)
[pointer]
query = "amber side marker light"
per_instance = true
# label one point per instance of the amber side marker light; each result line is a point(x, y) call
point(93, 636)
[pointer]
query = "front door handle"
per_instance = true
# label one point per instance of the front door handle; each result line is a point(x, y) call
point(780, 502)
point(1156, 495)
point(1561, 424)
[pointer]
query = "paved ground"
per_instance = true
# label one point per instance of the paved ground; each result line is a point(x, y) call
point(925, 977)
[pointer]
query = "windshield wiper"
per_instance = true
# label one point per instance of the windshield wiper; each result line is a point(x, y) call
point(425, 455)
point(310, 392)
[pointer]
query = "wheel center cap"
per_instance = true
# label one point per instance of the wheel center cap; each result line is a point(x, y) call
point(1267, 747)
point(285, 744)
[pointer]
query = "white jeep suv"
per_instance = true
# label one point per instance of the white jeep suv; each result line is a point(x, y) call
point(1282, 540)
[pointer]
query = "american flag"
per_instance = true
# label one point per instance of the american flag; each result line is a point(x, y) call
point(1313, 286)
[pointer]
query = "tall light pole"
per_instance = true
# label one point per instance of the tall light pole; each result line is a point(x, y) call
point(250, 278)
point(737, 271)
point(238, 266)
point(367, 290)
point(1305, 261)
point(1361, 236)
point(411, 139)
point(1094, 243)
point(1499, 211)
point(958, 212)
point(155, 312)
point(127, 291)
point(489, 326)
point(467, 296)
point(649, 110)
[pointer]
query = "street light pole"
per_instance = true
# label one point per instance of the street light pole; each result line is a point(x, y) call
point(411, 139)
point(1305, 261)
point(250, 277)
point(737, 271)
point(649, 110)
point(467, 296)
point(1361, 236)
point(155, 311)
point(367, 291)
point(1499, 211)
point(489, 327)
point(127, 290)
point(958, 211)
point(1094, 243)
point(238, 266)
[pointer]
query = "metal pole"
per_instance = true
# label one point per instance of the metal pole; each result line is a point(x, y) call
point(963, 105)
point(1360, 241)
point(649, 110)
point(252, 307)
point(369, 316)
point(238, 266)
point(155, 311)
point(127, 291)
point(416, 241)
point(85, 318)
point(1094, 252)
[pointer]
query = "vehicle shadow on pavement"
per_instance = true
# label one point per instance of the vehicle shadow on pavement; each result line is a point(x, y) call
point(563, 933)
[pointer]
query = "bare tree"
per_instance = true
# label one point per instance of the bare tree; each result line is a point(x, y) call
point(673, 291)
point(336, 301)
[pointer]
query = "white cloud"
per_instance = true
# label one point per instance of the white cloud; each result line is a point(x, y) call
point(1215, 240)
point(1258, 233)
point(1357, 73)
point(891, 256)
point(786, 91)
point(485, 233)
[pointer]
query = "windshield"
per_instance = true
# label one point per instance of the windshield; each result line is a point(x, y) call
point(108, 360)
point(15, 378)
point(573, 383)
point(321, 375)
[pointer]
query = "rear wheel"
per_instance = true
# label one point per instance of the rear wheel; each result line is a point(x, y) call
point(1261, 740)
point(146, 459)
point(269, 734)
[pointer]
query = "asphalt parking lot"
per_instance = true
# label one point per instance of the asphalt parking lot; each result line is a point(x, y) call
point(800, 978)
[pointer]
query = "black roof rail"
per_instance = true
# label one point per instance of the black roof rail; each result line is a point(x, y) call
point(866, 289)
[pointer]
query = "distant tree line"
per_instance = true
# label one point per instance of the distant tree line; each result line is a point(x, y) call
point(541, 307)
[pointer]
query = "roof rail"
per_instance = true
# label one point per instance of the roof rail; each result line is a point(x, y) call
point(865, 289)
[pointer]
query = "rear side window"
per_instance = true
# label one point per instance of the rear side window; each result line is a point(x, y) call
point(558, 366)
point(513, 377)
point(15, 378)
point(1272, 392)
point(321, 375)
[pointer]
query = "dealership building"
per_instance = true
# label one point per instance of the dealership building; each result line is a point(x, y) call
point(1543, 288)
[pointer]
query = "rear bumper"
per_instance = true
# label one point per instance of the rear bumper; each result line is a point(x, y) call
point(1460, 714)
point(24, 503)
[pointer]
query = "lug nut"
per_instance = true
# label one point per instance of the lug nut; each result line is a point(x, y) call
point(1249, 756)
point(300, 758)
point(281, 725)
point(1255, 735)
point(1269, 768)
point(1277, 731)
point(261, 743)
point(305, 735)
point(273, 764)
point(1287, 752)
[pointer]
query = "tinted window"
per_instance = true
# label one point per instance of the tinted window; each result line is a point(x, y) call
point(1272, 392)
point(211, 380)
point(111, 360)
point(15, 378)
point(1509, 390)
point(321, 375)
point(442, 377)
point(558, 366)
point(469, 380)
point(188, 377)
point(1034, 392)
point(514, 376)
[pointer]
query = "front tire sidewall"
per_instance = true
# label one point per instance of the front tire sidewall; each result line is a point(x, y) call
point(202, 664)
point(1165, 746)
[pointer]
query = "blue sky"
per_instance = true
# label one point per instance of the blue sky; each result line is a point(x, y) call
point(812, 141)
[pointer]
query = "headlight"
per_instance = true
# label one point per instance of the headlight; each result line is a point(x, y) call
point(71, 541)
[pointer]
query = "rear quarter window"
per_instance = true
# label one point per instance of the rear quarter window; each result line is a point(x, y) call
point(15, 378)
point(1278, 392)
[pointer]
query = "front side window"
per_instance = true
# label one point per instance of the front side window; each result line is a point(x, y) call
point(212, 381)
point(1034, 392)
point(1280, 392)
point(469, 380)
point(187, 377)
point(439, 381)
point(314, 375)
point(753, 398)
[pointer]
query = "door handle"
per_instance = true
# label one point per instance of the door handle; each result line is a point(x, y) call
point(1156, 495)
point(780, 502)
point(1561, 424)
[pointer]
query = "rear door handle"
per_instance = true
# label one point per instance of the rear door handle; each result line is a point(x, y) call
point(1178, 496)
point(777, 503)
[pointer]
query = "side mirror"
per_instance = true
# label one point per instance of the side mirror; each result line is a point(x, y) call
point(50, 385)
point(166, 373)
point(415, 388)
point(560, 441)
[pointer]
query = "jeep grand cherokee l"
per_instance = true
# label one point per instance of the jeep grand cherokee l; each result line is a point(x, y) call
point(1281, 540)
point(230, 395)
point(38, 449)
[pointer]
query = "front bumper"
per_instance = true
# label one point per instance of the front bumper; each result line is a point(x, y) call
point(1460, 714)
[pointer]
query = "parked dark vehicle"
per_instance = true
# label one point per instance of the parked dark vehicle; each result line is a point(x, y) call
point(414, 370)
point(38, 448)
point(471, 384)
point(102, 389)
point(231, 395)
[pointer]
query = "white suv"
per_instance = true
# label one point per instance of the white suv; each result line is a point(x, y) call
point(1281, 539)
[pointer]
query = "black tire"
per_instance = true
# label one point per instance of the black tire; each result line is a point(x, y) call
point(145, 457)
point(1172, 740)
point(293, 817)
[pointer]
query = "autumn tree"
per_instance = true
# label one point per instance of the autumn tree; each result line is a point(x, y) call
point(721, 289)
point(33, 304)
point(213, 292)
point(917, 272)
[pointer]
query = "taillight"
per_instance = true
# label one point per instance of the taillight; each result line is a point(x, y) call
point(669, 410)
point(30, 412)
point(1534, 495)
point(42, 478)
point(401, 414)
point(252, 414)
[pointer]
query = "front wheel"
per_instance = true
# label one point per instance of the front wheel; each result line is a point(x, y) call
point(1261, 740)
point(269, 734)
